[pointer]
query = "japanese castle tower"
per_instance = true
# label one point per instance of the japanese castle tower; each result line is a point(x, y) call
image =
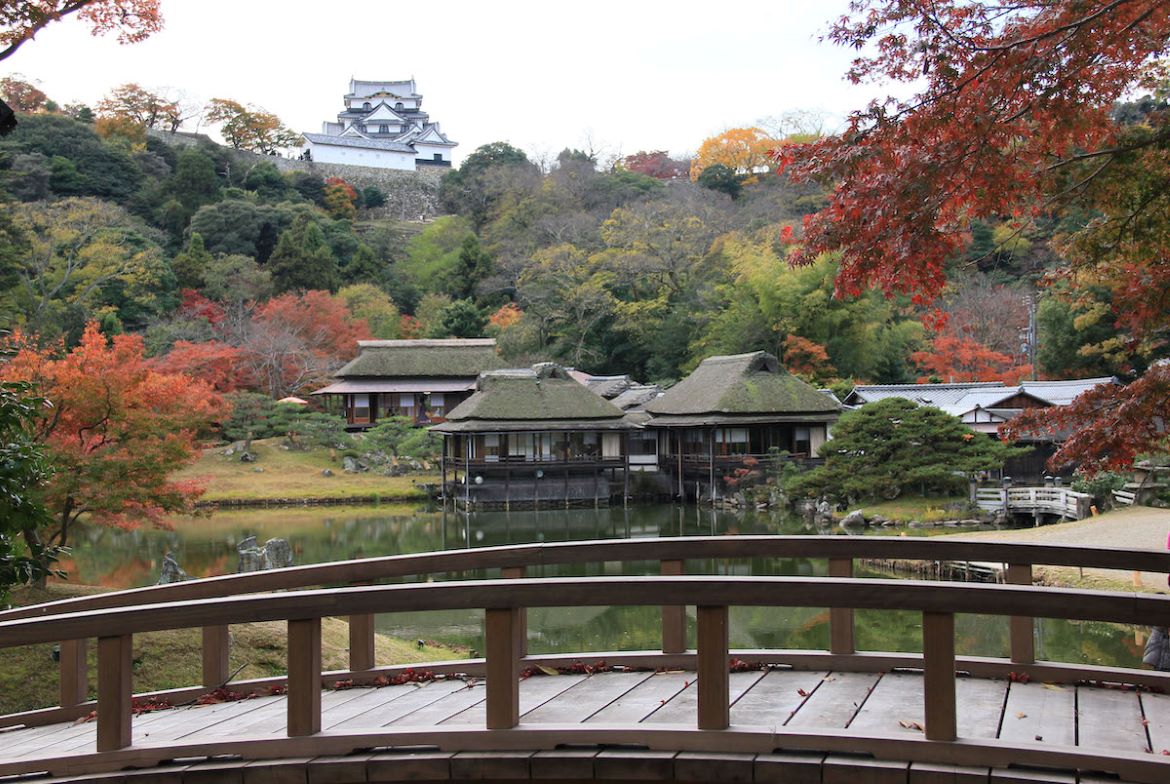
point(382, 126)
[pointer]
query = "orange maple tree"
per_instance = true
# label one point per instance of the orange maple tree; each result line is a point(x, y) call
point(114, 430)
point(1013, 118)
point(958, 359)
point(132, 20)
point(296, 340)
point(807, 358)
point(218, 364)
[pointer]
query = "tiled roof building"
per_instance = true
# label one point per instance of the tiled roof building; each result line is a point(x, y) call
point(382, 126)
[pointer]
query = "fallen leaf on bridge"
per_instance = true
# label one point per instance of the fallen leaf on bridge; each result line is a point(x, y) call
point(912, 725)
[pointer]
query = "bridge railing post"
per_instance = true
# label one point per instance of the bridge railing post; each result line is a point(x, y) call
point(503, 667)
point(841, 634)
point(938, 655)
point(304, 677)
point(711, 668)
point(674, 618)
point(1022, 627)
point(74, 672)
point(361, 642)
point(115, 692)
point(216, 643)
point(518, 573)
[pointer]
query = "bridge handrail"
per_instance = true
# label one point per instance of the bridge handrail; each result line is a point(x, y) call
point(503, 601)
point(514, 561)
point(366, 570)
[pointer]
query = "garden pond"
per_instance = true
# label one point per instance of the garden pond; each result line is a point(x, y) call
point(206, 546)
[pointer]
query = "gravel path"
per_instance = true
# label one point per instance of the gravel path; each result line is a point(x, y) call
point(1136, 527)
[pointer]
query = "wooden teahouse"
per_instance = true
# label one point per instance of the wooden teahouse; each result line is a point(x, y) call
point(534, 437)
point(418, 379)
point(730, 412)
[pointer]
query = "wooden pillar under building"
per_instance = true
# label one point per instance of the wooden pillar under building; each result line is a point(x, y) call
point(682, 491)
point(467, 473)
point(626, 471)
point(443, 472)
point(711, 459)
point(507, 484)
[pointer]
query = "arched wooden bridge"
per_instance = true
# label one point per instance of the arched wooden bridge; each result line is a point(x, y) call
point(676, 714)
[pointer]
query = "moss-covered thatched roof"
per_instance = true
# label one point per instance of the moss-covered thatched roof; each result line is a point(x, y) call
point(742, 384)
point(422, 358)
point(542, 394)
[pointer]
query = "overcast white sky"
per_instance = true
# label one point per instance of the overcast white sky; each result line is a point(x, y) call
point(626, 76)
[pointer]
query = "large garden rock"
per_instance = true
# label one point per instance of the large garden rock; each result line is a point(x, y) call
point(854, 519)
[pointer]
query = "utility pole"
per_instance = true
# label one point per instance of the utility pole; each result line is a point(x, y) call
point(1028, 336)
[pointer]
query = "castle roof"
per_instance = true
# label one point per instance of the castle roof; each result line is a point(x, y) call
point(359, 141)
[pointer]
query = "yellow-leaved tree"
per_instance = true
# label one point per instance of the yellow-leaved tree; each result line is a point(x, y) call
point(743, 150)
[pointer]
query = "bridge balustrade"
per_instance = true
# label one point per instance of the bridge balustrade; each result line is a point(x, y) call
point(215, 603)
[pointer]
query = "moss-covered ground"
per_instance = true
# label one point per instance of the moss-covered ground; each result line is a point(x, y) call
point(281, 474)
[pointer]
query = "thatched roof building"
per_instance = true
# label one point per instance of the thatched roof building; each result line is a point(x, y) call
point(419, 379)
point(740, 388)
point(541, 398)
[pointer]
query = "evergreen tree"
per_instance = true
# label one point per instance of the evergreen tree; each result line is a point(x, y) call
point(302, 260)
point(189, 265)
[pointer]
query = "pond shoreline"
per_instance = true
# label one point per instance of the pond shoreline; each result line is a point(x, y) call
point(374, 499)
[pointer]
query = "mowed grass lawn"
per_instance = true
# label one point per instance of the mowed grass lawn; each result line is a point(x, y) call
point(282, 474)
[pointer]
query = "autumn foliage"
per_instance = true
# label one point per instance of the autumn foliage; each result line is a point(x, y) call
point(1108, 426)
point(132, 20)
point(115, 429)
point(1012, 94)
point(743, 150)
point(953, 359)
point(1014, 119)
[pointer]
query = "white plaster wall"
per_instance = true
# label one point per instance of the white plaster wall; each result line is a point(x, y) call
point(353, 156)
point(428, 151)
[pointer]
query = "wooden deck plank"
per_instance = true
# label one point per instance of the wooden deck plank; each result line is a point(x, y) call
point(388, 703)
point(836, 700)
point(1157, 710)
point(1040, 713)
point(773, 699)
point(979, 706)
point(450, 704)
point(642, 700)
point(534, 692)
point(1110, 719)
point(585, 698)
point(244, 725)
point(185, 720)
point(894, 706)
point(683, 709)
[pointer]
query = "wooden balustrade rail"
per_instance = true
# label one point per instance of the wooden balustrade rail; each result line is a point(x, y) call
point(504, 600)
point(514, 560)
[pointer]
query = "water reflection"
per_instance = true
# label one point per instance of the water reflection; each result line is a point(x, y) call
point(206, 546)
